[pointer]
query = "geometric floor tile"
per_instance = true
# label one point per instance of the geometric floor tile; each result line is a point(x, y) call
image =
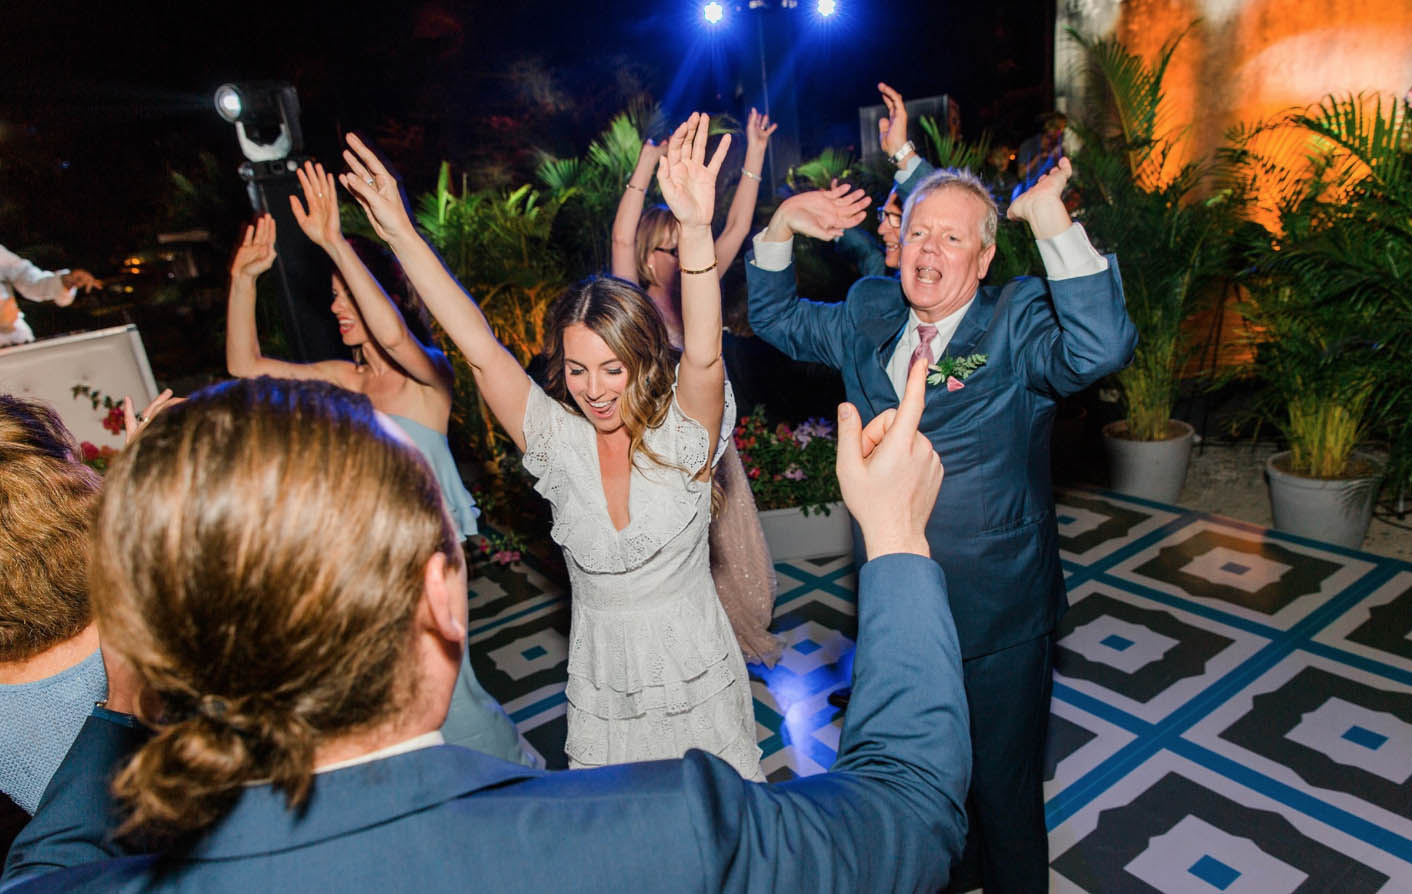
point(1336, 733)
point(1378, 628)
point(1142, 657)
point(1173, 826)
point(1091, 527)
point(1241, 572)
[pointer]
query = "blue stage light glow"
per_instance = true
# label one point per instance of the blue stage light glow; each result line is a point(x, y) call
point(827, 7)
point(713, 13)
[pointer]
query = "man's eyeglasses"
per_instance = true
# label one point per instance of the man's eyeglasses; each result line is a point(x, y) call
point(891, 218)
point(670, 251)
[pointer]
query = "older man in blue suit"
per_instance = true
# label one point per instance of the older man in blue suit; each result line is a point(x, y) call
point(1004, 355)
point(391, 809)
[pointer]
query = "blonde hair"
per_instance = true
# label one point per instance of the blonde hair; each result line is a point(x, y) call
point(961, 180)
point(46, 499)
point(652, 229)
point(258, 557)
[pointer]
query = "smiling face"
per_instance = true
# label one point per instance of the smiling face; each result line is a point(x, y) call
point(594, 377)
point(350, 321)
point(890, 229)
point(943, 259)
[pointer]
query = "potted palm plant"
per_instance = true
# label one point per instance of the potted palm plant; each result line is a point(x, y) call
point(1169, 226)
point(1331, 305)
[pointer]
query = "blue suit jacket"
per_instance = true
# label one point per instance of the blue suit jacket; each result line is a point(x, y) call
point(992, 529)
point(889, 817)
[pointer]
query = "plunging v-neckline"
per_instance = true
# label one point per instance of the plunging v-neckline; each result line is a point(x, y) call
point(603, 489)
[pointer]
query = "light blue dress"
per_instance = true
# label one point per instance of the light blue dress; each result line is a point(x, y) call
point(433, 445)
point(475, 719)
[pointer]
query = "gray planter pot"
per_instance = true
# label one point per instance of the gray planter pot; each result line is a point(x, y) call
point(791, 534)
point(1334, 510)
point(1154, 470)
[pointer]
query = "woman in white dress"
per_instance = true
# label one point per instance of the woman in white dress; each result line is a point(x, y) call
point(623, 444)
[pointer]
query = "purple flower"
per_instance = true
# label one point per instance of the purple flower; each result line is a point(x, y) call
point(794, 473)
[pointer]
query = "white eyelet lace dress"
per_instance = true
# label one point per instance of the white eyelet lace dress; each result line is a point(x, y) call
point(654, 668)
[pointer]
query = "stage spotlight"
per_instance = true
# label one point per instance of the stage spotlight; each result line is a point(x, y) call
point(266, 119)
point(229, 102)
point(827, 7)
point(713, 13)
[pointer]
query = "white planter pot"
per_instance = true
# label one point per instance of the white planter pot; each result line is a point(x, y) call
point(1334, 510)
point(793, 535)
point(1154, 470)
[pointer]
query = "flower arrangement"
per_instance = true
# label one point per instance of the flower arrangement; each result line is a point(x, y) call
point(789, 466)
point(91, 454)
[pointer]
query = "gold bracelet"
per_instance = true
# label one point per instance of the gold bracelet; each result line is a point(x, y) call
point(702, 270)
point(751, 174)
point(640, 189)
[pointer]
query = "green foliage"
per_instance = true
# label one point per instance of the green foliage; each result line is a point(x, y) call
point(588, 188)
point(1171, 233)
point(820, 171)
point(789, 466)
point(946, 151)
point(500, 245)
point(1331, 281)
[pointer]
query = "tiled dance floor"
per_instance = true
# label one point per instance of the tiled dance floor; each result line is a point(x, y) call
point(1232, 707)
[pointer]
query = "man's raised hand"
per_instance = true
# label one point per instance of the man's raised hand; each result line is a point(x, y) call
point(888, 473)
point(821, 213)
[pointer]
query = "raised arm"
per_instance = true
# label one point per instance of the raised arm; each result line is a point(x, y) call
point(630, 212)
point(255, 255)
point(688, 184)
point(742, 211)
point(1095, 336)
point(804, 330)
point(384, 322)
point(498, 375)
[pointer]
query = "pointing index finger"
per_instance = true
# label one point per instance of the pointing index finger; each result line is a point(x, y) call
point(914, 398)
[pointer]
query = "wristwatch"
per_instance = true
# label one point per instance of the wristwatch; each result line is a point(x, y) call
point(900, 155)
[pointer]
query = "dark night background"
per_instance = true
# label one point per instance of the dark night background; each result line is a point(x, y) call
point(100, 102)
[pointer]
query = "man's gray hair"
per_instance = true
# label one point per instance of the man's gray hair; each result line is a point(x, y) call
point(955, 178)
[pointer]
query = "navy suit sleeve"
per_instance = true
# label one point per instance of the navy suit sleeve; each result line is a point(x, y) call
point(805, 330)
point(862, 251)
point(1083, 336)
point(890, 816)
point(924, 169)
point(70, 826)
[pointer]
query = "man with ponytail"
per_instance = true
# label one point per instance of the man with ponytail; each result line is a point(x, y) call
point(293, 683)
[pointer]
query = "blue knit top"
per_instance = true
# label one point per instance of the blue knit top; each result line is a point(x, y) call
point(38, 723)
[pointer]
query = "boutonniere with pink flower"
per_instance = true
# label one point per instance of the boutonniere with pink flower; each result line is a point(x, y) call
point(954, 371)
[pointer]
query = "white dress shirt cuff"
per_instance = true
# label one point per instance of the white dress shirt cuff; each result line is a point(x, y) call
point(1070, 255)
point(773, 256)
point(909, 165)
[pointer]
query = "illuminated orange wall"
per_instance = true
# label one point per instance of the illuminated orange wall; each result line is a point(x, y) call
point(1248, 59)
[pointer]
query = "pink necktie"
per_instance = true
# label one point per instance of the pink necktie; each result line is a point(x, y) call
point(926, 333)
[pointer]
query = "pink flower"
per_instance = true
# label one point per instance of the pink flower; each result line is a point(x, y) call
point(954, 384)
point(89, 451)
point(506, 556)
point(794, 473)
point(113, 422)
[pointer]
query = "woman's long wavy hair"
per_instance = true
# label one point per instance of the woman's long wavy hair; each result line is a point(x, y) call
point(621, 314)
point(258, 557)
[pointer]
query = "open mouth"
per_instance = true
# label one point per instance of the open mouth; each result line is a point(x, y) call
point(345, 326)
point(603, 409)
point(928, 275)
